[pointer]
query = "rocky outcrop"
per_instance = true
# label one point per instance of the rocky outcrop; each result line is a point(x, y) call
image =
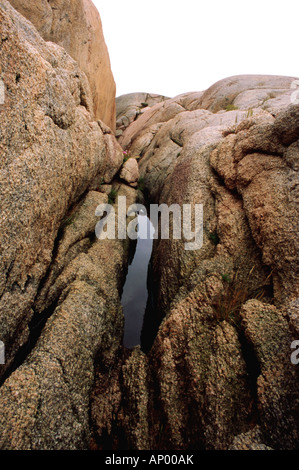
point(59, 305)
point(130, 172)
point(76, 26)
point(48, 138)
point(268, 332)
point(214, 369)
point(45, 402)
point(129, 107)
point(248, 92)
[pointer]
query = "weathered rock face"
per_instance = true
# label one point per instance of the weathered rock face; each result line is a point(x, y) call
point(76, 26)
point(214, 370)
point(52, 152)
point(248, 92)
point(46, 400)
point(219, 370)
point(130, 106)
point(130, 172)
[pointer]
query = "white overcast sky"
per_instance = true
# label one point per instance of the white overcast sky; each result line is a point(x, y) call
point(171, 47)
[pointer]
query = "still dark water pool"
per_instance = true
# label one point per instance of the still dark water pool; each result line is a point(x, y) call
point(135, 292)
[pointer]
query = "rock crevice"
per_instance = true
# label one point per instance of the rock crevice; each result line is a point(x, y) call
point(219, 368)
point(216, 371)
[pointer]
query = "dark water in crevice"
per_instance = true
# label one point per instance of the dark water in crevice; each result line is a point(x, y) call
point(135, 291)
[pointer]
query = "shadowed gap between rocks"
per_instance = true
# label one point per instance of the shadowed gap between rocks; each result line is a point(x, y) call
point(36, 327)
point(140, 291)
point(39, 319)
point(137, 296)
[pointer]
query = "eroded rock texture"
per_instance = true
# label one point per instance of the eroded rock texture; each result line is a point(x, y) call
point(54, 288)
point(76, 26)
point(130, 106)
point(218, 374)
point(213, 370)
